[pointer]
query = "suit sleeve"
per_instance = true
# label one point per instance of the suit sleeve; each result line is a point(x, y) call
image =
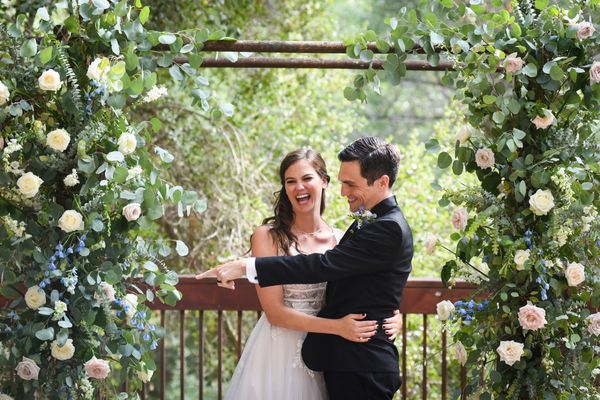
point(372, 249)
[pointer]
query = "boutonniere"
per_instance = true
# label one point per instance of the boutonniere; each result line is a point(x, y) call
point(362, 217)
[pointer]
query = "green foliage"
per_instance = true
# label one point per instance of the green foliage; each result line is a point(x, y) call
point(78, 185)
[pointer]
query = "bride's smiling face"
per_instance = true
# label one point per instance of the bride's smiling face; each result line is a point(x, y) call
point(304, 186)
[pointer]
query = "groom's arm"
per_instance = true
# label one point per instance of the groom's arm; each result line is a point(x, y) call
point(376, 247)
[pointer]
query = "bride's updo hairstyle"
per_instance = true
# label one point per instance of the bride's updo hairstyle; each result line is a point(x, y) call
point(281, 221)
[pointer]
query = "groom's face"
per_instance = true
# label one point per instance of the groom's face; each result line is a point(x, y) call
point(355, 187)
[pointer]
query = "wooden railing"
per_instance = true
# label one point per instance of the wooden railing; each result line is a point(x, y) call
point(203, 297)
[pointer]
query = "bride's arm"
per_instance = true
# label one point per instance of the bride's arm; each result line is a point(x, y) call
point(271, 299)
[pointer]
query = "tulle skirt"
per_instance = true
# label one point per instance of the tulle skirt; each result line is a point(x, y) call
point(271, 368)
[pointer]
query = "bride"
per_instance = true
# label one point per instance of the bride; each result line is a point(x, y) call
point(271, 366)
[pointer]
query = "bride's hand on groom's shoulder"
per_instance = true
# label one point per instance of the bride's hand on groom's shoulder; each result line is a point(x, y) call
point(353, 328)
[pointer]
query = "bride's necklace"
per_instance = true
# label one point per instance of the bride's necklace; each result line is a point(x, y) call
point(310, 234)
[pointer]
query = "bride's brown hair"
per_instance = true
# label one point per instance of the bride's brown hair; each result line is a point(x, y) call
point(281, 221)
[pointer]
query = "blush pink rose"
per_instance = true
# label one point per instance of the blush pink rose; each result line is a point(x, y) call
point(595, 72)
point(27, 369)
point(97, 369)
point(460, 218)
point(585, 30)
point(485, 158)
point(132, 211)
point(532, 318)
point(545, 121)
point(594, 324)
point(513, 63)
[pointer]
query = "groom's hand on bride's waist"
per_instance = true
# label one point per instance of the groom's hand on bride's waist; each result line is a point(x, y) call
point(226, 273)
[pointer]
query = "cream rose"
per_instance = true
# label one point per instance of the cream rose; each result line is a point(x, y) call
point(595, 72)
point(460, 218)
point(58, 139)
point(430, 243)
point(593, 322)
point(541, 202)
point(27, 369)
point(444, 310)
point(35, 297)
point(132, 302)
point(63, 352)
point(532, 318)
point(575, 274)
point(50, 80)
point(510, 351)
point(521, 257)
point(107, 290)
point(127, 143)
point(97, 369)
point(132, 211)
point(585, 30)
point(145, 375)
point(463, 134)
point(485, 158)
point(29, 184)
point(513, 63)
point(4, 94)
point(96, 71)
point(71, 221)
point(460, 353)
point(545, 121)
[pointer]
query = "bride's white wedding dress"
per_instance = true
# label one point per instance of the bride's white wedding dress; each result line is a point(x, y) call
point(271, 366)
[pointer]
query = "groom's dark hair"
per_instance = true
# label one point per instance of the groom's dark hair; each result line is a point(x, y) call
point(375, 156)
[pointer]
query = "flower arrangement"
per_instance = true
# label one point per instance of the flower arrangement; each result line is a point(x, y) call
point(528, 234)
point(79, 183)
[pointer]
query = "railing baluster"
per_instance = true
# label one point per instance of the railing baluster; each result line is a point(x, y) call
point(143, 391)
point(239, 335)
point(424, 381)
point(182, 354)
point(404, 377)
point(201, 355)
point(220, 354)
point(463, 383)
point(163, 369)
point(444, 365)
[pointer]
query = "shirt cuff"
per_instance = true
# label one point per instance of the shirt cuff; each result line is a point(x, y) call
point(251, 270)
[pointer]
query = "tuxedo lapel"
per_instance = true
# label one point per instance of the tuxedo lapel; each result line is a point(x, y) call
point(348, 232)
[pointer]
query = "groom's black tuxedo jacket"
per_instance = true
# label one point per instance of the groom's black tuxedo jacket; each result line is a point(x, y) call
point(366, 273)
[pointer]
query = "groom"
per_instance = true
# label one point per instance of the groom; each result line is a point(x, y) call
point(366, 273)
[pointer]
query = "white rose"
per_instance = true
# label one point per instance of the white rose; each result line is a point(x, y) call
point(545, 121)
point(513, 63)
point(134, 172)
point(58, 139)
point(575, 274)
point(595, 72)
point(594, 324)
point(29, 184)
point(35, 297)
point(510, 351)
point(27, 369)
point(444, 310)
point(4, 94)
point(127, 143)
point(108, 292)
point(132, 302)
point(50, 80)
point(71, 221)
point(485, 158)
point(541, 202)
point(98, 69)
point(463, 134)
point(585, 30)
point(461, 353)
point(145, 375)
point(521, 257)
point(132, 211)
point(62, 352)
point(430, 242)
